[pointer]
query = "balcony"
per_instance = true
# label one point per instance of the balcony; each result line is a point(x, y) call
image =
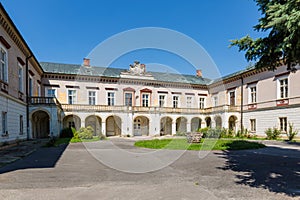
point(43, 100)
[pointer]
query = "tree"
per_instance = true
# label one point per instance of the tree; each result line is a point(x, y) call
point(281, 20)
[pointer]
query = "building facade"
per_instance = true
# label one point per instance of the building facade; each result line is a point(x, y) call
point(38, 100)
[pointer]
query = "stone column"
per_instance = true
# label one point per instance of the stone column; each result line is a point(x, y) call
point(173, 127)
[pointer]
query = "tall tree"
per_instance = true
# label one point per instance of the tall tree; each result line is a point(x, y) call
point(281, 20)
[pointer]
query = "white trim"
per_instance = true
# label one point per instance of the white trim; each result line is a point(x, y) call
point(249, 93)
point(75, 99)
point(21, 89)
point(50, 88)
point(6, 63)
point(88, 96)
point(278, 79)
point(228, 96)
point(178, 101)
point(114, 102)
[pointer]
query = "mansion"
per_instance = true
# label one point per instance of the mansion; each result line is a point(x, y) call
point(39, 99)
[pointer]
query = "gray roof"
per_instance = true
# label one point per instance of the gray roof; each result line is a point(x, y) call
point(76, 69)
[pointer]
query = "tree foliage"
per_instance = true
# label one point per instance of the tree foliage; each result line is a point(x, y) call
point(281, 20)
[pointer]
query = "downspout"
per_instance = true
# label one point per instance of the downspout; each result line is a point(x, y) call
point(242, 103)
point(27, 97)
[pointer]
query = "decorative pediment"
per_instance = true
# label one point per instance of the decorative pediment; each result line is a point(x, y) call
point(137, 70)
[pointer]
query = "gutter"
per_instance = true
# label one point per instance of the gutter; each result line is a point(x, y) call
point(27, 96)
point(242, 103)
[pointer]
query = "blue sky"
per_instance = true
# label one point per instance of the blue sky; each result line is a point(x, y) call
point(66, 31)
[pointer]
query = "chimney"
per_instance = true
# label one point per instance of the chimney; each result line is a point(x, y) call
point(199, 73)
point(86, 62)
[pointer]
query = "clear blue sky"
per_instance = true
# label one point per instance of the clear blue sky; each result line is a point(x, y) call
point(66, 31)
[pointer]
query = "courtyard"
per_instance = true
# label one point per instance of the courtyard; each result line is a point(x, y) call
point(116, 169)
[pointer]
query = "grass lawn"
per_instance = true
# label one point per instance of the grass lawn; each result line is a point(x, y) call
point(206, 144)
point(60, 141)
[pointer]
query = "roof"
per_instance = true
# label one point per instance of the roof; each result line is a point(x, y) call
point(75, 69)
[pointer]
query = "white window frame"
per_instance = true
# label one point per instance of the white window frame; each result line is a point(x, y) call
point(229, 99)
point(177, 101)
point(20, 77)
point(162, 100)
point(47, 93)
point(74, 99)
point(125, 102)
point(250, 100)
point(215, 100)
point(253, 125)
point(189, 101)
point(145, 102)
point(5, 62)
point(279, 79)
point(283, 125)
point(202, 103)
point(111, 99)
point(95, 97)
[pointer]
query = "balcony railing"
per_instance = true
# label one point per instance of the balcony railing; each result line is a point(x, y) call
point(44, 100)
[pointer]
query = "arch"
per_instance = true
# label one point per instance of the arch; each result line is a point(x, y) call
point(196, 124)
point(166, 126)
point(113, 126)
point(181, 125)
point(140, 126)
point(72, 121)
point(218, 121)
point(40, 124)
point(232, 123)
point(208, 122)
point(95, 122)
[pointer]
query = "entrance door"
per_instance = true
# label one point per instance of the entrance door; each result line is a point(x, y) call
point(137, 127)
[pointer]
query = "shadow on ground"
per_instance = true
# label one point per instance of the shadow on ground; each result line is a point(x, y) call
point(272, 168)
point(44, 157)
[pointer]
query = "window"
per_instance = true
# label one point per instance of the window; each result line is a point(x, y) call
point(3, 63)
point(21, 125)
point(92, 97)
point(38, 90)
point(4, 123)
point(111, 98)
point(232, 98)
point(51, 92)
point(71, 96)
point(128, 99)
point(215, 101)
point(72, 124)
point(20, 77)
point(283, 88)
point(201, 102)
point(283, 124)
point(175, 101)
point(252, 95)
point(145, 100)
point(162, 100)
point(189, 101)
point(30, 85)
point(253, 125)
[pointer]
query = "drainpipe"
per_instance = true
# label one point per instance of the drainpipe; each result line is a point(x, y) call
point(242, 103)
point(27, 97)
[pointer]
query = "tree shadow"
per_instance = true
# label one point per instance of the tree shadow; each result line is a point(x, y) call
point(272, 168)
point(44, 157)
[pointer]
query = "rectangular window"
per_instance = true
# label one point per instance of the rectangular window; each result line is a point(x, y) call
point(215, 101)
point(145, 100)
point(21, 125)
point(175, 101)
point(232, 98)
point(4, 123)
point(162, 100)
point(252, 91)
point(128, 99)
point(51, 93)
point(20, 77)
point(201, 102)
point(283, 87)
point(111, 98)
point(72, 124)
point(92, 97)
point(189, 102)
point(30, 85)
point(283, 124)
point(71, 96)
point(38, 90)
point(3, 63)
point(253, 125)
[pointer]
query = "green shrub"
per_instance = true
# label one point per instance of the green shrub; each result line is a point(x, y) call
point(204, 131)
point(66, 133)
point(213, 133)
point(103, 137)
point(272, 134)
point(85, 133)
point(291, 133)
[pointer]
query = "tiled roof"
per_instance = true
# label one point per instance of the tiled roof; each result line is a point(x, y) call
point(115, 73)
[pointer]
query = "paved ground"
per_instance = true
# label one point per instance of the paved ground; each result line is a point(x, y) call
point(90, 172)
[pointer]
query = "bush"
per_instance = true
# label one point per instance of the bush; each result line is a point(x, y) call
point(204, 131)
point(214, 133)
point(66, 133)
point(85, 133)
point(272, 134)
point(291, 133)
point(103, 137)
